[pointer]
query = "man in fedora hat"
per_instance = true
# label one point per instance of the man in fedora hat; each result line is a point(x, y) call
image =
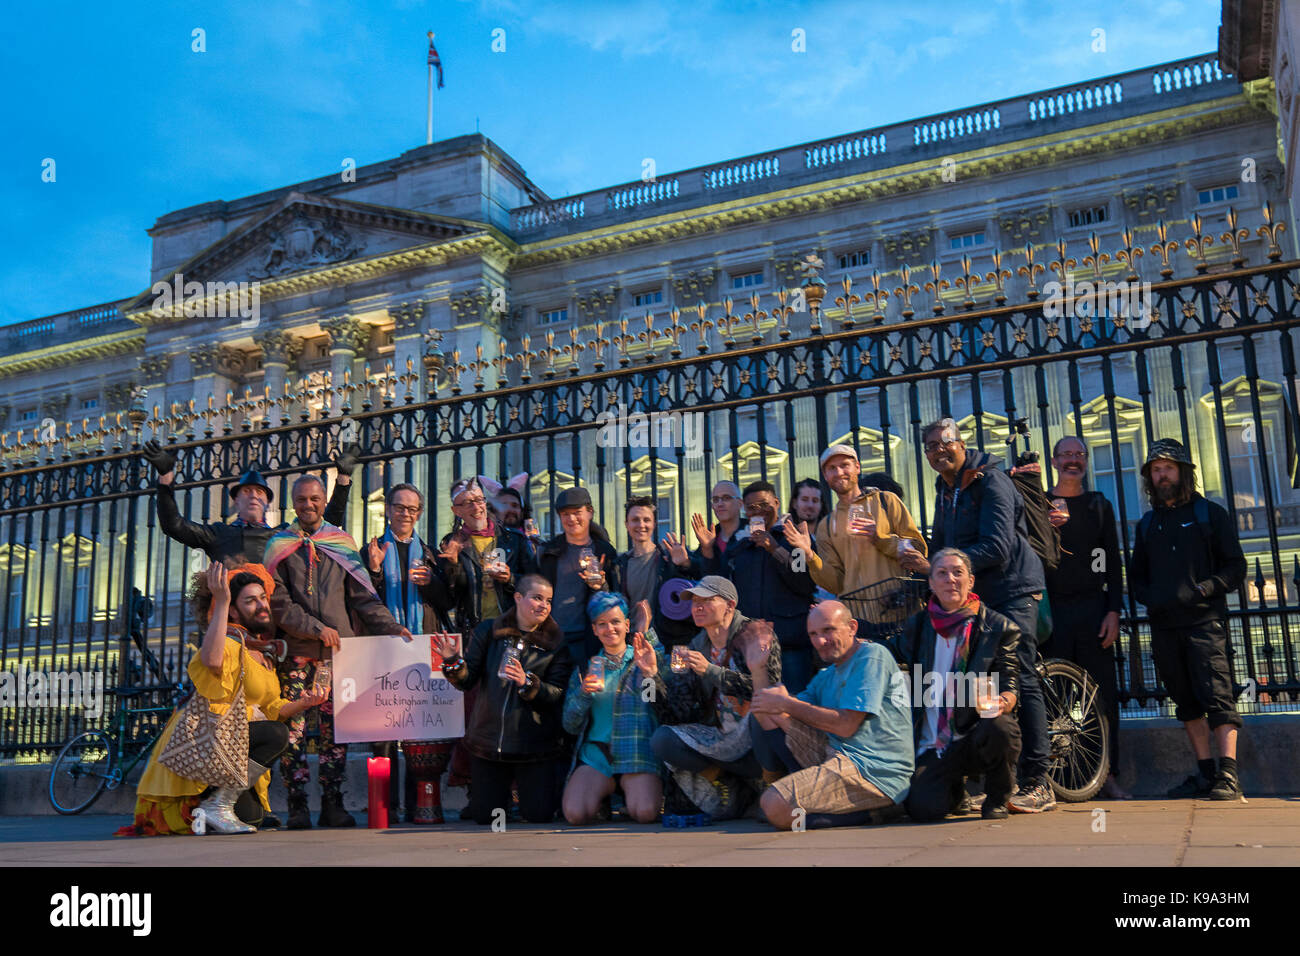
point(246, 535)
point(1186, 559)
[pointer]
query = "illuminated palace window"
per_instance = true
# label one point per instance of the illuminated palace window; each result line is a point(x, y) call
point(995, 429)
point(1114, 469)
point(749, 459)
point(870, 445)
point(1249, 448)
point(77, 551)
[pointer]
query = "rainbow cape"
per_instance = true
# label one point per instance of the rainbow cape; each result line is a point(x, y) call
point(329, 539)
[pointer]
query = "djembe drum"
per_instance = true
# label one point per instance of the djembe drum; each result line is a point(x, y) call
point(425, 761)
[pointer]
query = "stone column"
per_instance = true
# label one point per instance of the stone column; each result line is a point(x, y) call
point(408, 344)
point(348, 337)
point(280, 350)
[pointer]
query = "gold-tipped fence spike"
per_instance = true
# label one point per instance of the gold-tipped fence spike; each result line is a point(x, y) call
point(1129, 253)
point(935, 287)
point(701, 328)
point(879, 298)
point(998, 276)
point(1235, 235)
point(967, 281)
point(1097, 259)
point(1030, 270)
point(1272, 230)
point(847, 301)
point(1164, 248)
point(905, 292)
point(1197, 245)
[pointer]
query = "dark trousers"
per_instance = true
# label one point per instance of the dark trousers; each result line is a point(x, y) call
point(490, 782)
point(1193, 665)
point(771, 751)
point(1076, 623)
point(797, 668)
point(267, 739)
point(990, 749)
point(670, 749)
point(1036, 748)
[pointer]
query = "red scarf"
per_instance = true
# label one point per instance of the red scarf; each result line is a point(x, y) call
point(949, 625)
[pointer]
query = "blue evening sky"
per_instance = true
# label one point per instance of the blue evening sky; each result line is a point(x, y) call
point(138, 124)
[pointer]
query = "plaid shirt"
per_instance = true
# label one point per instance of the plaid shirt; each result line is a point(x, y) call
point(634, 719)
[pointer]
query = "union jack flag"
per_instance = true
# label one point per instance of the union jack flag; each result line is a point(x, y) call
point(435, 60)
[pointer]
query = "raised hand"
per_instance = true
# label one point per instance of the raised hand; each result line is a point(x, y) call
point(347, 462)
point(375, 554)
point(218, 586)
point(676, 548)
point(162, 460)
point(643, 655)
point(703, 533)
point(640, 617)
point(451, 550)
point(797, 537)
point(756, 639)
point(447, 645)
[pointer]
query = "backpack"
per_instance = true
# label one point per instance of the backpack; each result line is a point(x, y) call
point(1044, 537)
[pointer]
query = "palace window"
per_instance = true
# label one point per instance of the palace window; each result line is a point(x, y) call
point(1109, 482)
point(966, 240)
point(648, 298)
point(852, 260)
point(1244, 462)
point(553, 316)
point(28, 415)
point(747, 280)
point(1216, 194)
point(1088, 215)
point(15, 616)
point(89, 404)
point(81, 595)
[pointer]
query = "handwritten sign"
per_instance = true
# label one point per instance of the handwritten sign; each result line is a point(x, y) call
point(387, 688)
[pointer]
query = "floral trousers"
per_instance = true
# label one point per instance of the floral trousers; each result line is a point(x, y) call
point(297, 674)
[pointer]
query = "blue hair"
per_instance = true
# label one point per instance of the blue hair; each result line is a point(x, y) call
point(603, 601)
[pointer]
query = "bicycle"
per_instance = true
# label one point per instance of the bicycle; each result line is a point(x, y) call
point(1077, 729)
point(99, 760)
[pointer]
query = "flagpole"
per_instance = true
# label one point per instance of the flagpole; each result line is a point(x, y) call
point(429, 131)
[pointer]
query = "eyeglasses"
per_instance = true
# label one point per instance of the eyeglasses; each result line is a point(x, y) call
point(406, 509)
point(723, 499)
point(471, 502)
point(932, 446)
point(1076, 455)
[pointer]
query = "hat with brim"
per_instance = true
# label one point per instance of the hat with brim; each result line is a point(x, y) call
point(573, 498)
point(254, 479)
point(1170, 449)
point(713, 585)
point(836, 450)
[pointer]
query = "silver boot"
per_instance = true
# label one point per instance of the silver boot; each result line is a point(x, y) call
point(219, 812)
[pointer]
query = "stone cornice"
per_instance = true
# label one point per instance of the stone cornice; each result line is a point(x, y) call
point(1142, 130)
point(490, 244)
point(58, 356)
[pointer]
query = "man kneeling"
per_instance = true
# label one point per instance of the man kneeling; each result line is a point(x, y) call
point(843, 747)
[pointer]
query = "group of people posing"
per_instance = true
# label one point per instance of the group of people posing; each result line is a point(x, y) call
point(728, 678)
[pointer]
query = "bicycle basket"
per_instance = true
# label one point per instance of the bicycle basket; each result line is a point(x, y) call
point(883, 607)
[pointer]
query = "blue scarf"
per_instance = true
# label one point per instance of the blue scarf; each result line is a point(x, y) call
point(409, 613)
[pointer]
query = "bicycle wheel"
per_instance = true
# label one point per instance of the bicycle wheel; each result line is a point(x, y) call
point(81, 771)
point(1076, 730)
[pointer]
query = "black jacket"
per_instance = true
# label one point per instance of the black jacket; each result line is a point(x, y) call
point(988, 523)
point(461, 600)
point(510, 723)
point(1175, 555)
point(1091, 527)
point(769, 589)
point(223, 541)
point(668, 631)
point(692, 699)
point(994, 640)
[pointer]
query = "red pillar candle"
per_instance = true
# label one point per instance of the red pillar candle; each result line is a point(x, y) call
point(377, 772)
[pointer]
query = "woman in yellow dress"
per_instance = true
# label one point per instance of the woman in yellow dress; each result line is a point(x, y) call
point(237, 604)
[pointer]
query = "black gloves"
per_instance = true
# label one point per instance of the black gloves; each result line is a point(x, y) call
point(158, 456)
point(348, 461)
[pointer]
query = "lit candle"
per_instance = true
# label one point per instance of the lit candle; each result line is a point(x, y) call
point(377, 774)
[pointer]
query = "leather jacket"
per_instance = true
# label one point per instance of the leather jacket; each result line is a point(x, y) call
point(994, 641)
point(510, 723)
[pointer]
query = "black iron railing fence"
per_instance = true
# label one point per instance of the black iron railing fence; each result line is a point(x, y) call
point(1209, 359)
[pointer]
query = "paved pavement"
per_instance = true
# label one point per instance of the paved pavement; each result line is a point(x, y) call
point(1261, 832)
